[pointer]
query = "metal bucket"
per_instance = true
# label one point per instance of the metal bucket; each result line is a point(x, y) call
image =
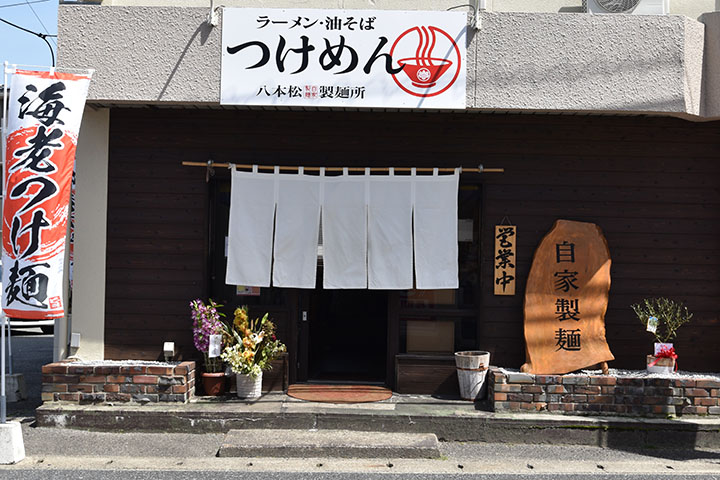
point(472, 368)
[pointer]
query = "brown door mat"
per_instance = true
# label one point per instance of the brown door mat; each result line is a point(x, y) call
point(339, 393)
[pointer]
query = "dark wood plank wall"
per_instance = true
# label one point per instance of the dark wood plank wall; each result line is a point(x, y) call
point(652, 184)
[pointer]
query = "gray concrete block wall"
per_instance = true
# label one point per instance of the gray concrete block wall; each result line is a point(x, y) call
point(516, 61)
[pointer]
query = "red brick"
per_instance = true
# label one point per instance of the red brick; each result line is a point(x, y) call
point(111, 387)
point(715, 392)
point(601, 398)
point(706, 401)
point(118, 397)
point(65, 379)
point(532, 389)
point(547, 379)
point(133, 370)
point(55, 387)
point(574, 398)
point(67, 397)
point(150, 379)
point(58, 368)
point(117, 379)
point(184, 389)
point(92, 379)
point(80, 370)
point(85, 388)
point(508, 388)
point(603, 380)
point(695, 410)
point(151, 389)
point(684, 382)
point(520, 397)
point(696, 392)
point(498, 397)
point(160, 370)
point(533, 406)
point(607, 390)
point(554, 389)
point(586, 390)
point(663, 409)
point(106, 370)
point(47, 379)
point(708, 384)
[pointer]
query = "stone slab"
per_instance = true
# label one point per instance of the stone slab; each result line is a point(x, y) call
point(12, 449)
point(328, 443)
point(15, 389)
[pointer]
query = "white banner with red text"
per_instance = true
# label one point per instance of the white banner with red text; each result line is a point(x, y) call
point(343, 58)
point(43, 121)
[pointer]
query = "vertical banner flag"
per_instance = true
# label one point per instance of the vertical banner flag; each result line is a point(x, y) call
point(43, 120)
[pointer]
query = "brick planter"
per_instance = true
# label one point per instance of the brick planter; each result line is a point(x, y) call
point(602, 394)
point(112, 383)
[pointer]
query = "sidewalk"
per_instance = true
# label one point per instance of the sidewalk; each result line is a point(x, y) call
point(450, 420)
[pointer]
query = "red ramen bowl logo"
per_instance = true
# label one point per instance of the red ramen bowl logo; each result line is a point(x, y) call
point(430, 59)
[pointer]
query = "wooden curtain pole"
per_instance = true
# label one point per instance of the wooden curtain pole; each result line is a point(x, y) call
point(479, 169)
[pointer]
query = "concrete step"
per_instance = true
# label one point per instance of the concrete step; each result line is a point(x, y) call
point(328, 443)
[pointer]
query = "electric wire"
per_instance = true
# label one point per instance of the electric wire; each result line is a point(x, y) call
point(38, 19)
point(41, 35)
point(22, 3)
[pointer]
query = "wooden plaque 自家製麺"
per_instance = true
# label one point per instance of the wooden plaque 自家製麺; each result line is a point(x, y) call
point(566, 298)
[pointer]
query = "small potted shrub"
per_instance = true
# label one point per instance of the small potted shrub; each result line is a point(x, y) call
point(662, 317)
point(206, 323)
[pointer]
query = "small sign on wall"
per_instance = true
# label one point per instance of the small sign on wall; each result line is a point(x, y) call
point(504, 253)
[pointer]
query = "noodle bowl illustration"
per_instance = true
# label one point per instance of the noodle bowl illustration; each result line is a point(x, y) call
point(424, 70)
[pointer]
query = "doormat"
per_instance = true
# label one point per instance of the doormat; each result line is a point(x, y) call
point(339, 393)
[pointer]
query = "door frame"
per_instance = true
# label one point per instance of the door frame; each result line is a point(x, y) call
point(299, 370)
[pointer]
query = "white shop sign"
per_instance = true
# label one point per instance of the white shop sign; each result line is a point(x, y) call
point(343, 58)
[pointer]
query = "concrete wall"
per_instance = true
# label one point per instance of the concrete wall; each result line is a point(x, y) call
point(88, 303)
point(689, 8)
point(517, 61)
point(711, 73)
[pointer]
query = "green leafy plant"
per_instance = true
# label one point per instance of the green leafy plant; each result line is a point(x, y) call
point(671, 315)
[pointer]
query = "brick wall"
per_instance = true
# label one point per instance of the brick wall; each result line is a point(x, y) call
point(602, 394)
point(75, 382)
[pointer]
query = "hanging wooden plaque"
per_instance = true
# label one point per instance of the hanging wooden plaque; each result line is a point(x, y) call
point(566, 298)
point(504, 253)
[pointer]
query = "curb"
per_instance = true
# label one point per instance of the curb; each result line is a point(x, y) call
point(448, 426)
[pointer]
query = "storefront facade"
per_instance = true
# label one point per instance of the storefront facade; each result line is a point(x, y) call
point(622, 136)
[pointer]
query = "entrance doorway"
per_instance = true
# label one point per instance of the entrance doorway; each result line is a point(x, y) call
point(347, 336)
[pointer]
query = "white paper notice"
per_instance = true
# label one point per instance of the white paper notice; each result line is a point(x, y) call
point(214, 346)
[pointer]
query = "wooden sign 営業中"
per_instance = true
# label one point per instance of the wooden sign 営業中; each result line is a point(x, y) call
point(504, 254)
point(566, 298)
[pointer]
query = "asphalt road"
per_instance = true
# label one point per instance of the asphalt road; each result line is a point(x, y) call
point(235, 475)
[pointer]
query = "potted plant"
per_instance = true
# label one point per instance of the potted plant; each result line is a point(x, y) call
point(662, 317)
point(252, 350)
point(206, 327)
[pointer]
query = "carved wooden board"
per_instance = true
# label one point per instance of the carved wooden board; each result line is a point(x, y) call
point(566, 298)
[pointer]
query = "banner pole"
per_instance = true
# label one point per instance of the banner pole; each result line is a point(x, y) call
point(3, 132)
point(3, 399)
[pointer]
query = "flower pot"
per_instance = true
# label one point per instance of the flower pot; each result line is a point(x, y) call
point(214, 383)
point(660, 364)
point(249, 387)
point(472, 368)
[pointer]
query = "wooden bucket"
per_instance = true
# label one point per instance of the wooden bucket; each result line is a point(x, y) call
point(472, 368)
